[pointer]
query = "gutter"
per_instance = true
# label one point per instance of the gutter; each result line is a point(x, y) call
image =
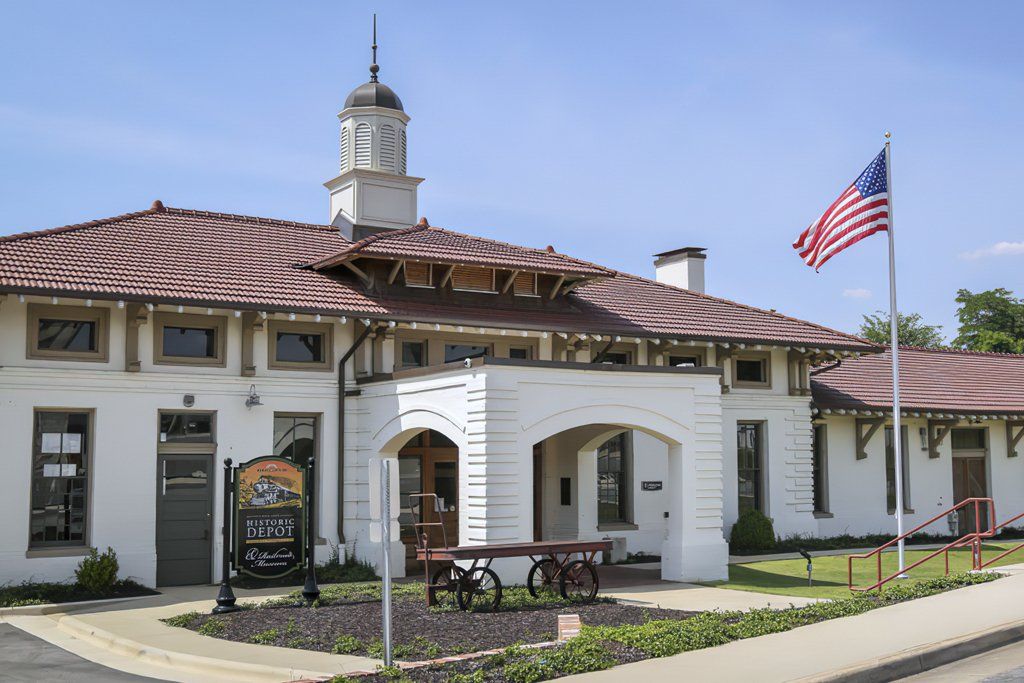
point(341, 428)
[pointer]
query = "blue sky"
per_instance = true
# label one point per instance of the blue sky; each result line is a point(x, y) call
point(610, 130)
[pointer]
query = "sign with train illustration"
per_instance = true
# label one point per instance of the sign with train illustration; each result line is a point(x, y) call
point(270, 520)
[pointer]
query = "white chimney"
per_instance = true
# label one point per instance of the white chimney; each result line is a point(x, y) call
point(681, 268)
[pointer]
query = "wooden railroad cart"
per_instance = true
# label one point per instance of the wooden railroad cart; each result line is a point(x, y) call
point(554, 568)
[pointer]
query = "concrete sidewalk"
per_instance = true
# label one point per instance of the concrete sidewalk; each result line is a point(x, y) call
point(132, 638)
point(851, 647)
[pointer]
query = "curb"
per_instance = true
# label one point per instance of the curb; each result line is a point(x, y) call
point(57, 607)
point(924, 658)
point(184, 662)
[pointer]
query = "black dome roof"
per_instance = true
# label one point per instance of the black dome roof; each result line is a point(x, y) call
point(373, 94)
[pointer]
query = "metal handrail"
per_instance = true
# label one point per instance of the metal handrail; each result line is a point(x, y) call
point(982, 565)
point(973, 537)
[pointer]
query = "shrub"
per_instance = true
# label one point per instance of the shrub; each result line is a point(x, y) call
point(752, 532)
point(97, 573)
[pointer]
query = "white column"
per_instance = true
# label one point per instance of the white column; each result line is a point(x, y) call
point(387, 353)
point(694, 549)
point(545, 348)
point(586, 494)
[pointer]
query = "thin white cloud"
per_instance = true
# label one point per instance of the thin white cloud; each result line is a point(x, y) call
point(858, 293)
point(997, 249)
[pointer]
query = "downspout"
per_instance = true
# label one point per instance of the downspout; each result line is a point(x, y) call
point(341, 429)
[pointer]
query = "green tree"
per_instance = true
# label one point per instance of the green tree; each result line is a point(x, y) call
point(912, 331)
point(990, 321)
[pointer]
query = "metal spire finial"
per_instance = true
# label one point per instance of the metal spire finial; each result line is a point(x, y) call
point(373, 66)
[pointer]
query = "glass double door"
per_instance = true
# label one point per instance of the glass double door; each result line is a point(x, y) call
point(429, 463)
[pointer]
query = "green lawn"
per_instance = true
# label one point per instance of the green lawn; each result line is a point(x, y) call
point(789, 577)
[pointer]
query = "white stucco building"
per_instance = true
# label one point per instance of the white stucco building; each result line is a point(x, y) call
point(541, 396)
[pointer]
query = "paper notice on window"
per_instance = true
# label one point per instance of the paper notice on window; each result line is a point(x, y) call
point(72, 443)
point(51, 442)
point(51, 470)
point(68, 470)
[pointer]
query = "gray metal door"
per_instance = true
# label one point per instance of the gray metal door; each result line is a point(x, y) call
point(184, 506)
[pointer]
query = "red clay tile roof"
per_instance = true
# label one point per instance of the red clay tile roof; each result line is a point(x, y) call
point(436, 245)
point(962, 382)
point(180, 256)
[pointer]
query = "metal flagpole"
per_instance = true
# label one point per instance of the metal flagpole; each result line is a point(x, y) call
point(897, 434)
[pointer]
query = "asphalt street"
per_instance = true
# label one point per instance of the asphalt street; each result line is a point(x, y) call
point(1003, 665)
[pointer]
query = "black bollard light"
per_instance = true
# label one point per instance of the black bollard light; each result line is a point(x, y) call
point(310, 591)
point(226, 596)
point(810, 565)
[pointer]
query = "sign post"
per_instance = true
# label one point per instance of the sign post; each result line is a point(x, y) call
point(270, 527)
point(385, 544)
point(226, 596)
point(311, 591)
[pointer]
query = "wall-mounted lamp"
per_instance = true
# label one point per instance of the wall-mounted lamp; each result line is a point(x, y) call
point(253, 399)
point(188, 400)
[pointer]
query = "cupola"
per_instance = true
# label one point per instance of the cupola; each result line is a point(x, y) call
point(373, 191)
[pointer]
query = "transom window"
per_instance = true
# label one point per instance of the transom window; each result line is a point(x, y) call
point(180, 428)
point(750, 466)
point(60, 478)
point(300, 346)
point(456, 352)
point(968, 439)
point(612, 480)
point(684, 361)
point(414, 354)
point(67, 332)
point(617, 357)
point(295, 437)
point(187, 339)
point(520, 352)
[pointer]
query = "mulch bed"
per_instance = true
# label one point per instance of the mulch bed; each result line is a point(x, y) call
point(419, 633)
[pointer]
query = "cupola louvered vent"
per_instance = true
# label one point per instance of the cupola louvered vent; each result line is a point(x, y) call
point(344, 149)
point(401, 153)
point(475, 279)
point(363, 137)
point(387, 148)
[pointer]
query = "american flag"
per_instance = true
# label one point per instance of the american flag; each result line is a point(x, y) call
point(860, 211)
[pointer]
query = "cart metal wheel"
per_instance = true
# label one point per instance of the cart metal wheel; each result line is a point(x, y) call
point(579, 581)
point(444, 586)
point(541, 579)
point(480, 590)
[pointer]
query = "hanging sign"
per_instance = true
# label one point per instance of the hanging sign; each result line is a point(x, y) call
point(270, 524)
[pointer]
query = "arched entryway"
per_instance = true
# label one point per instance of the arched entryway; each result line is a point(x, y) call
point(428, 463)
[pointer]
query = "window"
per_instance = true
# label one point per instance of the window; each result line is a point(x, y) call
point(185, 339)
point(295, 437)
point(617, 357)
point(890, 470)
point(684, 361)
point(525, 284)
point(181, 428)
point(751, 371)
point(612, 476)
point(819, 467)
point(68, 332)
point(750, 465)
point(300, 346)
point(520, 352)
point(473, 279)
point(414, 354)
point(60, 478)
point(418, 275)
point(456, 352)
point(968, 439)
